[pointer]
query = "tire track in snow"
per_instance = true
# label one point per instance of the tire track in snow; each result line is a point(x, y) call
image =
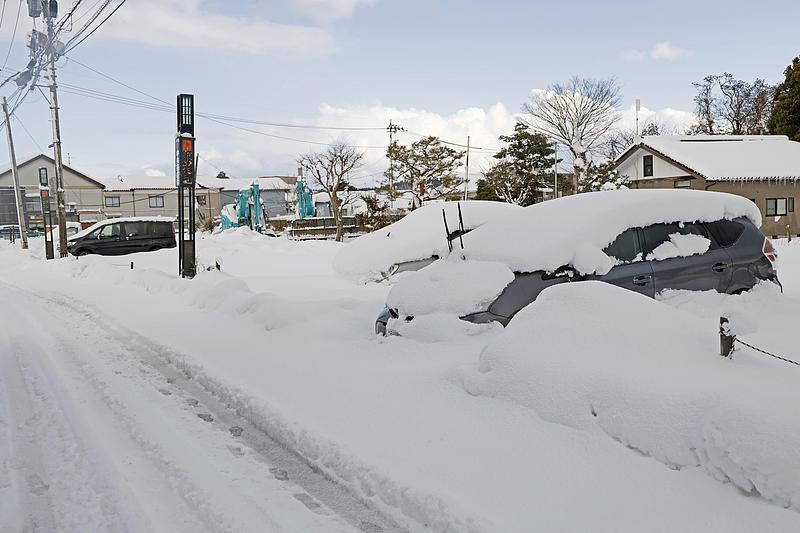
point(138, 358)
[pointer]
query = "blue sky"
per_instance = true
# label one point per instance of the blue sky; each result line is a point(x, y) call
point(443, 67)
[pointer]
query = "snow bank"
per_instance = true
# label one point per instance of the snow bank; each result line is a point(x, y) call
point(575, 229)
point(460, 288)
point(419, 235)
point(593, 356)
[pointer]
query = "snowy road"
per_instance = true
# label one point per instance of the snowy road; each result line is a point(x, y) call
point(98, 432)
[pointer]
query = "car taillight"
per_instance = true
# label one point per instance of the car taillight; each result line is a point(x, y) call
point(770, 252)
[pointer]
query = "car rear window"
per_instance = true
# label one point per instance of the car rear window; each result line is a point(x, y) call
point(162, 229)
point(726, 232)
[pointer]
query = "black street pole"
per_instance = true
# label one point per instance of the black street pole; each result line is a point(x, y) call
point(186, 176)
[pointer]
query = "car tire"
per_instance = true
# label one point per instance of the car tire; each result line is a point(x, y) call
point(81, 252)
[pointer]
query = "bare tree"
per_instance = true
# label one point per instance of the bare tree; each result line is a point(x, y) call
point(330, 171)
point(579, 114)
point(619, 140)
point(726, 105)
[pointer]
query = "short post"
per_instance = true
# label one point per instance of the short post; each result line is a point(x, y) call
point(726, 338)
point(131, 265)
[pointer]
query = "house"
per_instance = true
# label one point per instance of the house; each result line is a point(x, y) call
point(83, 195)
point(132, 196)
point(277, 192)
point(763, 168)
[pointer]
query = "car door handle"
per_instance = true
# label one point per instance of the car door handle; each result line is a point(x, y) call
point(642, 280)
point(719, 267)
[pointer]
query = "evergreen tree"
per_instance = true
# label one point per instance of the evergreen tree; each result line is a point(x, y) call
point(485, 192)
point(522, 168)
point(785, 118)
point(427, 167)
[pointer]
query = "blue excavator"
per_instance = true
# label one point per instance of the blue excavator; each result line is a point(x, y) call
point(248, 211)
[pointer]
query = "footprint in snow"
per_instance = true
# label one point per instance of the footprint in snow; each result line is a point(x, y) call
point(279, 473)
point(205, 416)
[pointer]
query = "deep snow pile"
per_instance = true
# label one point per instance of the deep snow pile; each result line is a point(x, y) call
point(591, 355)
point(574, 230)
point(419, 235)
point(280, 337)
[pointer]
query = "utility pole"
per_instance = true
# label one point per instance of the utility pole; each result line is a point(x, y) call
point(23, 230)
point(50, 9)
point(555, 169)
point(392, 129)
point(466, 171)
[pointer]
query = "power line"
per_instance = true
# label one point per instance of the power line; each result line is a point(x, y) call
point(3, 13)
point(29, 134)
point(14, 35)
point(95, 28)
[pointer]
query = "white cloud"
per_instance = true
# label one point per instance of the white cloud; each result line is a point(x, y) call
point(673, 121)
point(668, 52)
point(150, 170)
point(243, 154)
point(189, 24)
point(327, 10)
point(663, 51)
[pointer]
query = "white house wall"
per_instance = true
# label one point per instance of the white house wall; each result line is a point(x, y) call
point(633, 167)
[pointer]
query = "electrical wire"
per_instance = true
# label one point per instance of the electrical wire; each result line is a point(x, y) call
point(3, 13)
point(70, 48)
point(14, 35)
point(30, 136)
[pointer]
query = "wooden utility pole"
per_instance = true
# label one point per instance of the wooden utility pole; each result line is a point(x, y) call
point(23, 230)
point(466, 172)
point(59, 164)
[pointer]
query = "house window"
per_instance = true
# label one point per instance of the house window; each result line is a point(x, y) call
point(647, 162)
point(112, 201)
point(683, 184)
point(777, 207)
point(156, 201)
point(790, 205)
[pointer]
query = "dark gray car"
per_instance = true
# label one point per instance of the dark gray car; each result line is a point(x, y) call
point(125, 236)
point(739, 257)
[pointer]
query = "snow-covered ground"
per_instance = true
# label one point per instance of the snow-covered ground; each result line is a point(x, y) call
point(595, 410)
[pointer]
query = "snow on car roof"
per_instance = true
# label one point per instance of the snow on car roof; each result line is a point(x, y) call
point(574, 230)
point(108, 221)
point(418, 235)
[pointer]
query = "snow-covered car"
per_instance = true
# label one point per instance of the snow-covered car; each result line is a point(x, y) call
point(646, 241)
point(416, 240)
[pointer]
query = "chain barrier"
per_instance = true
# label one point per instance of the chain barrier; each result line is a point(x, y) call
point(765, 352)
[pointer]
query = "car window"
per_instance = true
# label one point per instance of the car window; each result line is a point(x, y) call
point(625, 248)
point(110, 231)
point(135, 229)
point(658, 234)
point(726, 232)
point(161, 229)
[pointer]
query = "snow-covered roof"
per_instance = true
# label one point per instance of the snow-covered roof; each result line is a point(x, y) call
point(237, 184)
point(126, 183)
point(574, 230)
point(728, 157)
